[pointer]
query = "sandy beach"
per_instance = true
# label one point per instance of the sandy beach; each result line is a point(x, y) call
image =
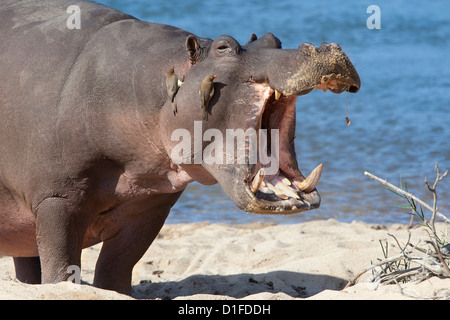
point(312, 260)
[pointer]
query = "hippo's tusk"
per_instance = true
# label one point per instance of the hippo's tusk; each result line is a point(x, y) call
point(277, 95)
point(310, 183)
point(256, 183)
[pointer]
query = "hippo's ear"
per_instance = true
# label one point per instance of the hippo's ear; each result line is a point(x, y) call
point(253, 37)
point(266, 41)
point(193, 48)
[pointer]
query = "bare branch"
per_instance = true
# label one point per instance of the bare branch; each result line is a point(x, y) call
point(433, 191)
point(398, 190)
point(438, 252)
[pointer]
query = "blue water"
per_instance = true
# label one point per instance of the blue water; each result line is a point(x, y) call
point(400, 119)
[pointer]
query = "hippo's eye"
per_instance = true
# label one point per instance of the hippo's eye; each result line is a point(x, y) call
point(223, 48)
point(226, 45)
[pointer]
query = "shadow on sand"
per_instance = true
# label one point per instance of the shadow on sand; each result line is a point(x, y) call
point(294, 284)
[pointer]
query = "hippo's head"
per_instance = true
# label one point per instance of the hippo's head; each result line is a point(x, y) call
point(256, 88)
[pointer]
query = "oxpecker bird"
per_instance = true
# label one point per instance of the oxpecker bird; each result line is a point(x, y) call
point(172, 84)
point(206, 93)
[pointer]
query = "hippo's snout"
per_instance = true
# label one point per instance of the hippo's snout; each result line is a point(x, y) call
point(344, 77)
point(297, 72)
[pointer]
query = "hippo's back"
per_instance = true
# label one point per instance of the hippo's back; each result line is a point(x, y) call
point(38, 50)
point(37, 53)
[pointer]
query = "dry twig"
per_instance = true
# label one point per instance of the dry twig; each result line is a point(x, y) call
point(406, 266)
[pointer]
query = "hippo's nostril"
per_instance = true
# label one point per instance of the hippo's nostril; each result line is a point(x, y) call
point(307, 47)
point(335, 46)
point(353, 89)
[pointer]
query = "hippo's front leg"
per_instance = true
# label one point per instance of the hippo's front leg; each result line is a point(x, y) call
point(139, 226)
point(60, 228)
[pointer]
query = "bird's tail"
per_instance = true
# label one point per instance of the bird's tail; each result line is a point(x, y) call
point(174, 107)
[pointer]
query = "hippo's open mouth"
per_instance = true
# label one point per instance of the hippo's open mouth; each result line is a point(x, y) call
point(286, 191)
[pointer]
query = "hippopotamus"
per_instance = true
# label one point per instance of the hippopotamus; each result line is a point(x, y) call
point(88, 133)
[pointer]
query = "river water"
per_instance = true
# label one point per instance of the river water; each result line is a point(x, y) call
point(400, 119)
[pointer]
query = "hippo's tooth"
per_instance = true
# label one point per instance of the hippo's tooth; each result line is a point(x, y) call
point(257, 180)
point(286, 190)
point(286, 181)
point(277, 95)
point(310, 183)
point(277, 192)
point(282, 184)
point(266, 190)
point(180, 82)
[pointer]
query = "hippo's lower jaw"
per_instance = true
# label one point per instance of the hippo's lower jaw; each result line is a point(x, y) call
point(285, 191)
